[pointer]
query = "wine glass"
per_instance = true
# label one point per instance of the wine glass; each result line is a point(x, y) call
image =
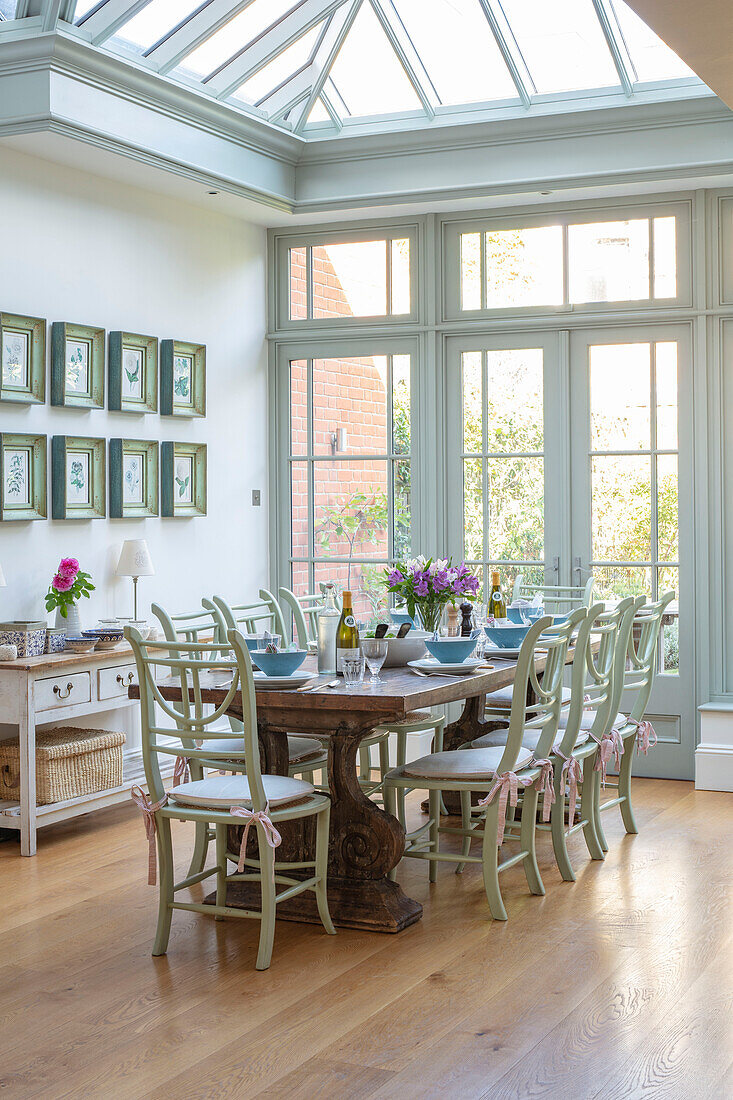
point(375, 654)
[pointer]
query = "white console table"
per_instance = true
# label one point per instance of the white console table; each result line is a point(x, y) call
point(58, 687)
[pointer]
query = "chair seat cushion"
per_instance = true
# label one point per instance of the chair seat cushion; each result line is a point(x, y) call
point(461, 765)
point(587, 719)
point(223, 791)
point(502, 698)
point(498, 738)
point(299, 748)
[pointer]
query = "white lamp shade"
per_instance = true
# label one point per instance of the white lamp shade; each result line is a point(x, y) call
point(135, 560)
point(3, 582)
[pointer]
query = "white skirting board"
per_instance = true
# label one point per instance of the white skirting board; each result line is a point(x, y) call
point(714, 754)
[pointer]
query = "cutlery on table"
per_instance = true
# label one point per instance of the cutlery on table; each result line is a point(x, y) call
point(317, 687)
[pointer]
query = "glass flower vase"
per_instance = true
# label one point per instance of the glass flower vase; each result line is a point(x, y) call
point(429, 615)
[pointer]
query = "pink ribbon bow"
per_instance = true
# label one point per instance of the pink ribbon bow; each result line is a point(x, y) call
point(272, 836)
point(544, 784)
point(611, 745)
point(138, 796)
point(646, 737)
point(507, 785)
point(572, 769)
point(181, 771)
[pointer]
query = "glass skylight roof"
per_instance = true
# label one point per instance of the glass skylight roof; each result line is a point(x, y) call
point(317, 66)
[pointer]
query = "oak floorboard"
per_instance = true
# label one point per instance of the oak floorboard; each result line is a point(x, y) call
point(615, 984)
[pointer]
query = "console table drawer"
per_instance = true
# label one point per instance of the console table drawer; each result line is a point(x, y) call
point(63, 691)
point(113, 682)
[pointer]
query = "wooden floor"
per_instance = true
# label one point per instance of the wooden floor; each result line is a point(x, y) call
point(620, 985)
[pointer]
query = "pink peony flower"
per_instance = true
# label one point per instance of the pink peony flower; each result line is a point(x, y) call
point(68, 567)
point(62, 583)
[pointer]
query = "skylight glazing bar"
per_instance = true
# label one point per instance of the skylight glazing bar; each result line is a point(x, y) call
point(337, 101)
point(410, 59)
point(332, 112)
point(617, 45)
point(507, 43)
point(200, 25)
point(338, 27)
point(103, 22)
point(287, 95)
point(257, 54)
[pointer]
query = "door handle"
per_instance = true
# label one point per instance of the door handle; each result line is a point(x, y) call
point(578, 571)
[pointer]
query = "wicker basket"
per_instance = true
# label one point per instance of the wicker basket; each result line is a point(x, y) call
point(69, 762)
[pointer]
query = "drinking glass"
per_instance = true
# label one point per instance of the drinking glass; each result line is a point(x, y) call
point(353, 669)
point(375, 652)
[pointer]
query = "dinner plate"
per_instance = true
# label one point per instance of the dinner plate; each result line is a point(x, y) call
point(497, 651)
point(455, 668)
point(296, 680)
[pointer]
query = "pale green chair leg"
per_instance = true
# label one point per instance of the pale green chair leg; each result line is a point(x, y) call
point(527, 840)
point(434, 811)
point(624, 785)
point(383, 757)
point(465, 825)
point(491, 862)
point(267, 889)
point(221, 865)
point(588, 804)
point(165, 888)
point(438, 747)
point(200, 848)
point(557, 827)
point(322, 826)
point(401, 759)
point(365, 763)
point(597, 807)
point(391, 794)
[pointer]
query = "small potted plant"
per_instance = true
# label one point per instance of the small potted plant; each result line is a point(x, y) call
point(427, 586)
point(68, 586)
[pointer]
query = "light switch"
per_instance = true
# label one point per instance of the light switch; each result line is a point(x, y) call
point(256, 498)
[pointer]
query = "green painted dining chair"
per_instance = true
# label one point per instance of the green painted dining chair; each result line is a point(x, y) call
point(634, 731)
point(252, 618)
point(496, 773)
point(558, 599)
point(303, 610)
point(251, 799)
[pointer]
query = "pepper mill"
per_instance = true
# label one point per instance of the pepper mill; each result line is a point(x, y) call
point(453, 630)
point(466, 623)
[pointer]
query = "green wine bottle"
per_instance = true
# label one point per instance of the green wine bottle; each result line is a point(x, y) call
point(497, 604)
point(347, 632)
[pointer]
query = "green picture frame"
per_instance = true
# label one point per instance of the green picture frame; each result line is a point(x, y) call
point(78, 477)
point(183, 473)
point(133, 478)
point(23, 477)
point(133, 373)
point(182, 379)
point(22, 359)
point(77, 365)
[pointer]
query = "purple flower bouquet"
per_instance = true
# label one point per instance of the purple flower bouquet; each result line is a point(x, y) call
point(427, 585)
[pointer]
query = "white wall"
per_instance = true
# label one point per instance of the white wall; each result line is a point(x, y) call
point(83, 249)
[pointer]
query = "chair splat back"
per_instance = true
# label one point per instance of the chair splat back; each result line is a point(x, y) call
point(558, 599)
point(190, 625)
point(304, 611)
point(544, 715)
point(640, 666)
point(263, 614)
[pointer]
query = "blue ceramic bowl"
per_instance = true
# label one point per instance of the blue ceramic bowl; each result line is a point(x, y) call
point(401, 617)
point(283, 663)
point(451, 651)
point(104, 634)
point(77, 643)
point(507, 637)
point(514, 614)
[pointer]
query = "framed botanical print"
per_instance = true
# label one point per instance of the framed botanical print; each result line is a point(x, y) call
point(78, 471)
point(23, 489)
point(182, 379)
point(22, 359)
point(133, 373)
point(183, 479)
point(133, 478)
point(77, 365)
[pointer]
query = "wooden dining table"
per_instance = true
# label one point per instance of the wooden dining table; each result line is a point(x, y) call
point(366, 843)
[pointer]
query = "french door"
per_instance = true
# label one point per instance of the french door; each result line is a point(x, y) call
point(571, 453)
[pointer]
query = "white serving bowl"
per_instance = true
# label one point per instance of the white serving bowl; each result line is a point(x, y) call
point(402, 650)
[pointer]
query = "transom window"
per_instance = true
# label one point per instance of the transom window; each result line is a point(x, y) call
point(337, 280)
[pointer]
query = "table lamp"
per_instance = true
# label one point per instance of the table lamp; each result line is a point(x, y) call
point(135, 561)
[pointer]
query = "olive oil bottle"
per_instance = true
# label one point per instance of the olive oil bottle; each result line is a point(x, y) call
point(347, 632)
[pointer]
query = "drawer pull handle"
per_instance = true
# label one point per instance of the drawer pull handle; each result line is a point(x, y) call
point(125, 679)
point(61, 693)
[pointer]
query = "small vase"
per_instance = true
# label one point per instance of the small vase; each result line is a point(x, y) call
point(72, 623)
point(430, 616)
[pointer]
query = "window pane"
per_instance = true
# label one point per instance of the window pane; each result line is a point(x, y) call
point(400, 294)
point(153, 22)
point(350, 280)
point(473, 510)
point(619, 397)
point(298, 406)
point(350, 395)
point(516, 509)
point(280, 69)
point(402, 508)
point(653, 59)
point(609, 261)
point(299, 578)
point(524, 267)
point(472, 403)
point(299, 509)
point(621, 508)
point(358, 578)
point(233, 36)
point(351, 509)
point(665, 257)
point(666, 369)
point(514, 400)
point(563, 44)
point(668, 579)
point(470, 271)
point(667, 508)
point(614, 584)
point(401, 404)
point(459, 51)
point(298, 284)
point(368, 73)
